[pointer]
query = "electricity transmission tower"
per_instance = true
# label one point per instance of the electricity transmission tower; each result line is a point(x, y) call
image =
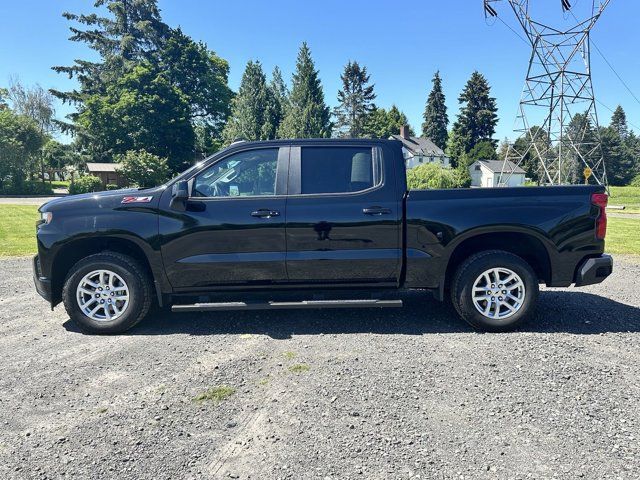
point(557, 119)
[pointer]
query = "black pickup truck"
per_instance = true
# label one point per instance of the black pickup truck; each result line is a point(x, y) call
point(314, 224)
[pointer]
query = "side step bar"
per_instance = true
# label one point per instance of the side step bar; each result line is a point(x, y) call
point(208, 307)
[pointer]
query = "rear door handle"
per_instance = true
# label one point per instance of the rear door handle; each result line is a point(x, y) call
point(376, 211)
point(265, 213)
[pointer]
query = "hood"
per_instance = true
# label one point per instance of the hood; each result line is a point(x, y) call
point(106, 199)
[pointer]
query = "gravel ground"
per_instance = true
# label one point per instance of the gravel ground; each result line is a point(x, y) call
point(409, 393)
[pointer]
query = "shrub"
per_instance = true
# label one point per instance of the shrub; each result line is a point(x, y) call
point(111, 186)
point(85, 184)
point(431, 175)
point(27, 188)
point(636, 181)
point(143, 169)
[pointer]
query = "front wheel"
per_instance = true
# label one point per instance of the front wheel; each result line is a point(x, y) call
point(494, 291)
point(107, 293)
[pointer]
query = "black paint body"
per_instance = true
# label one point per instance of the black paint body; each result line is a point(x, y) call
point(320, 240)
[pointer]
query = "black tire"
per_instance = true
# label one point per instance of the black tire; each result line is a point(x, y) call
point(134, 275)
point(471, 269)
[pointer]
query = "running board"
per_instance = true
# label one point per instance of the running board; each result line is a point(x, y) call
point(208, 307)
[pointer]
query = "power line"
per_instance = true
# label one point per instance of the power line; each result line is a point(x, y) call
point(616, 73)
point(612, 111)
point(510, 28)
point(609, 65)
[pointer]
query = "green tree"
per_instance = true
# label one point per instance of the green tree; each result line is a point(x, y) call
point(436, 120)
point(143, 169)
point(431, 175)
point(382, 123)
point(126, 35)
point(140, 111)
point(277, 98)
point(483, 150)
point(477, 118)
point(20, 143)
point(249, 116)
point(306, 116)
point(132, 32)
point(4, 93)
point(531, 146)
point(618, 159)
point(578, 148)
point(355, 101)
point(201, 76)
point(619, 123)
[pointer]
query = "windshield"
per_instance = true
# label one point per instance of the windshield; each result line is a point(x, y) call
point(192, 169)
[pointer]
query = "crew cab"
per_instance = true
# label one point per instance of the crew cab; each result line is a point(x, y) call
point(314, 224)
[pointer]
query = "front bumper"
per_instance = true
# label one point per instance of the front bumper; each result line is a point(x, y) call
point(43, 284)
point(593, 270)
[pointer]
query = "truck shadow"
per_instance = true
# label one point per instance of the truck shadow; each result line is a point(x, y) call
point(558, 311)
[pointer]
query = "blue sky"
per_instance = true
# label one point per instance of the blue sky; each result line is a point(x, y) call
point(402, 43)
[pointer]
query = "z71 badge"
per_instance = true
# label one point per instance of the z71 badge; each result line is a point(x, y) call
point(136, 199)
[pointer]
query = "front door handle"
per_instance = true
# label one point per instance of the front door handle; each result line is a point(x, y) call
point(265, 213)
point(376, 211)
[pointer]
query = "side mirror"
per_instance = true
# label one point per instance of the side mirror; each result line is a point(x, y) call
point(179, 196)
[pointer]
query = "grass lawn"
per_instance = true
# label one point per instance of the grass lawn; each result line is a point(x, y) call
point(623, 235)
point(627, 196)
point(18, 232)
point(60, 183)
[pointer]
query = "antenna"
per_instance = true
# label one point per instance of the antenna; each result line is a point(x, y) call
point(557, 118)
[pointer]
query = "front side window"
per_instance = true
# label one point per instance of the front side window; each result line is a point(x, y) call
point(250, 173)
point(337, 169)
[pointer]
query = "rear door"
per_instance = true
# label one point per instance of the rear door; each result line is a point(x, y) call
point(233, 231)
point(343, 217)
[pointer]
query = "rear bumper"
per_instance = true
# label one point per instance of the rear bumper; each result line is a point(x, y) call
point(43, 284)
point(593, 270)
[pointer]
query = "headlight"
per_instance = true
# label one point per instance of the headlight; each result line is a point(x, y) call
point(45, 218)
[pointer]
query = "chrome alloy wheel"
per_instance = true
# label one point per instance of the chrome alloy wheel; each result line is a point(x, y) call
point(498, 293)
point(102, 295)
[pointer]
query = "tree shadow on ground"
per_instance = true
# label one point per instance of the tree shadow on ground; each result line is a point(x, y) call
point(558, 311)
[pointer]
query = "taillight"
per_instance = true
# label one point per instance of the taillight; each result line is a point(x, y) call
point(600, 200)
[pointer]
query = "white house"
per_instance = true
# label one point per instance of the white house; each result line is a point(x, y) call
point(417, 150)
point(496, 173)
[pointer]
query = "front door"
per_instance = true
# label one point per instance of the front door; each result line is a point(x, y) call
point(343, 215)
point(233, 232)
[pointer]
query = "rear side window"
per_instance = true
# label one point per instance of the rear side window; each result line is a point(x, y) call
point(337, 169)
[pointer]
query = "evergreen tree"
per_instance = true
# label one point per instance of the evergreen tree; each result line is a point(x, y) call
point(436, 120)
point(576, 157)
point(618, 159)
point(306, 115)
point(127, 35)
point(477, 118)
point(119, 120)
point(619, 122)
point(132, 32)
point(382, 123)
point(355, 101)
point(277, 98)
point(249, 119)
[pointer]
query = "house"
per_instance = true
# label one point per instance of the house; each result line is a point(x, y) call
point(417, 150)
point(107, 173)
point(496, 173)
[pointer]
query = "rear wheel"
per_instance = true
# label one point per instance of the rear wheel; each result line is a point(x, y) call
point(494, 291)
point(107, 293)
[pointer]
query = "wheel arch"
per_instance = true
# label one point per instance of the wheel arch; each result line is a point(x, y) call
point(525, 243)
point(73, 251)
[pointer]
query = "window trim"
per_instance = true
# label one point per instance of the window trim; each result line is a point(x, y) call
point(295, 170)
point(282, 166)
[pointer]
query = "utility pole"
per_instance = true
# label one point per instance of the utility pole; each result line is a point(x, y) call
point(557, 97)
